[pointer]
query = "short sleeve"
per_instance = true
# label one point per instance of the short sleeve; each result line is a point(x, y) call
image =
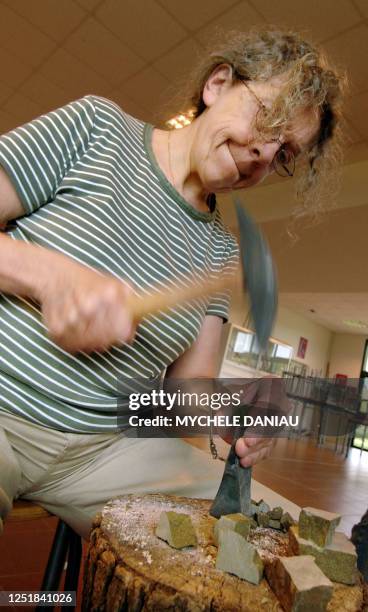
point(220, 303)
point(36, 156)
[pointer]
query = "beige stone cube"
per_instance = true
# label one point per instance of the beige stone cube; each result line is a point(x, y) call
point(237, 556)
point(299, 584)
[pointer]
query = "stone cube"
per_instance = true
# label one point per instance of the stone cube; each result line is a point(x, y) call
point(238, 522)
point(299, 584)
point(176, 529)
point(263, 506)
point(263, 519)
point(260, 506)
point(286, 521)
point(276, 513)
point(238, 556)
point(318, 525)
point(338, 560)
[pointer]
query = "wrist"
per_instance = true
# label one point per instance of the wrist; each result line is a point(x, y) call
point(51, 268)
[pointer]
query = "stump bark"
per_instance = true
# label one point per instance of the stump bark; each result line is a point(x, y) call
point(129, 569)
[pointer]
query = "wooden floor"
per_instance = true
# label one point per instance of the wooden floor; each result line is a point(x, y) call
point(312, 476)
point(318, 477)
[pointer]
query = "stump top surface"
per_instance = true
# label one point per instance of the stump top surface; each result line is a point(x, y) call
point(129, 523)
point(127, 528)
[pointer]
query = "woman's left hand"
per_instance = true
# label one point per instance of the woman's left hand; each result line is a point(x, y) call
point(252, 450)
point(259, 396)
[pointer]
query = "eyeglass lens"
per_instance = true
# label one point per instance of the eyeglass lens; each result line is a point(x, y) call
point(284, 160)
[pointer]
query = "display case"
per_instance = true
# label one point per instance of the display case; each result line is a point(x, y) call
point(296, 367)
point(240, 355)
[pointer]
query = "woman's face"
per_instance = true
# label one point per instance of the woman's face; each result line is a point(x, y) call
point(229, 153)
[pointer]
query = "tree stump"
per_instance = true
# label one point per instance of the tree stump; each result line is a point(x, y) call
point(129, 568)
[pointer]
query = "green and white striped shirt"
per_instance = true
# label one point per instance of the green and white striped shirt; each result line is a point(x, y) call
point(92, 189)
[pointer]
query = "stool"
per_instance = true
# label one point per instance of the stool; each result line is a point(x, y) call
point(66, 546)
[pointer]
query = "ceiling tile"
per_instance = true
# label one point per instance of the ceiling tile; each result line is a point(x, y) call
point(180, 60)
point(56, 19)
point(100, 49)
point(22, 39)
point(89, 5)
point(46, 94)
point(148, 89)
point(357, 108)
point(363, 6)
point(73, 76)
point(319, 19)
point(133, 108)
point(128, 105)
point(193, 14)
point(234, 18)
point(21, 108)
point(5, 92)
point(13, 71)
point(145, 26)
point(350, 51)
point(7, 122)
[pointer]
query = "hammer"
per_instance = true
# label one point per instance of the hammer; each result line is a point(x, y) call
point(258, 279)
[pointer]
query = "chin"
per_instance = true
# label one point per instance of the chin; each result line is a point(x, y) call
point(250, 181)
point(219, 177)
point(223, 185)
point(220, 190)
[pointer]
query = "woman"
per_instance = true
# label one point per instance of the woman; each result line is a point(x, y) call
point(99, 205)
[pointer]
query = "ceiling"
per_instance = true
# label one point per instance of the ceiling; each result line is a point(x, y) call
point(139, 53)
point(332, 310)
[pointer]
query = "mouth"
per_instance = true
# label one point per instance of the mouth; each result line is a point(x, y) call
point(243, 176)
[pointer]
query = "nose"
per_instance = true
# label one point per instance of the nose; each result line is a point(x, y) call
point(264, 152)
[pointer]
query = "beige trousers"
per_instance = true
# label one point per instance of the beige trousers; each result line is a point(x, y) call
point(74, 475)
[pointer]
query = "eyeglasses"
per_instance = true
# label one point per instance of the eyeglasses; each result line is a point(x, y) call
point(283, 162)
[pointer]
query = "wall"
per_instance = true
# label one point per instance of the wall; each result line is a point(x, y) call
point(327, 257)
point(346, 354)
point(289, 327)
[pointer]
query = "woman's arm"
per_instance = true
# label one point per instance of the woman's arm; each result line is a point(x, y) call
point(200, 361)
point(83, 310)
point(20, 263)
point(10, 204)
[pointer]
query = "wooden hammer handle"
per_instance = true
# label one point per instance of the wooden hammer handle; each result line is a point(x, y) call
point(141, 306)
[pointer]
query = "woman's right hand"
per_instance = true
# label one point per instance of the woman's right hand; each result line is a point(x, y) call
point(84, 310)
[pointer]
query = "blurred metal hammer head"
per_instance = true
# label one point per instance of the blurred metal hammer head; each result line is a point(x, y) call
point(259, 275)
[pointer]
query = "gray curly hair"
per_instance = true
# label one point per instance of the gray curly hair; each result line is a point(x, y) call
point(311, 82)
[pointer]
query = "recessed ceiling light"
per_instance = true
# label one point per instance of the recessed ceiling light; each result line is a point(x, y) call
point(356, 323)
point(180, 121)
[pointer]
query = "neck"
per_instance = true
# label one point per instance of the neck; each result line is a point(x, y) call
point(174, 153)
